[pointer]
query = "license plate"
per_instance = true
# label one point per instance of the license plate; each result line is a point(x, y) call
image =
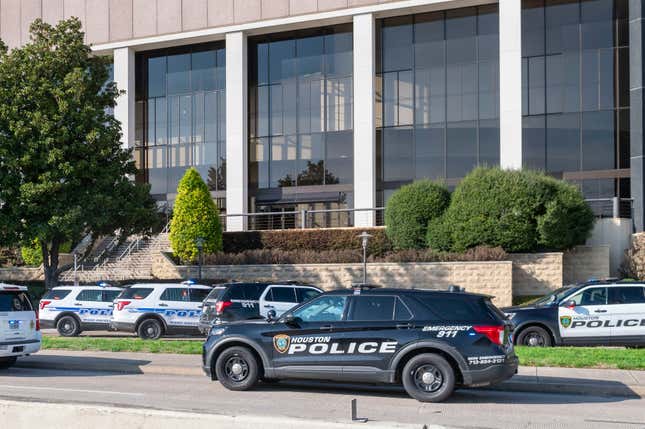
point(14, 324)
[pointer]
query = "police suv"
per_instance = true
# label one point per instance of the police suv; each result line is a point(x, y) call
point(19, 329)
point(242, 301)
point(155, 309)
point(610, 313)
point(74, 309)
point(429, 341)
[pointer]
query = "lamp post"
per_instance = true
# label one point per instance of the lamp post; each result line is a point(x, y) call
point(75, 268)
point(199, 242)
point(364, 239)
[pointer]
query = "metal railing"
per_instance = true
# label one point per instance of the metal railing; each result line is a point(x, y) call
point(303, 219)
point(613, 207)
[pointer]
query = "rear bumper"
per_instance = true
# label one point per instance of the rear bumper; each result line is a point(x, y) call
point(491, 375)
point(19, 348)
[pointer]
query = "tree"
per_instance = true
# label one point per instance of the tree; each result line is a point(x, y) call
point(63, 172)
point(195, 217)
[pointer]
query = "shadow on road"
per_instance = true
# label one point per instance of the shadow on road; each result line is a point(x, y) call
point(75, 366)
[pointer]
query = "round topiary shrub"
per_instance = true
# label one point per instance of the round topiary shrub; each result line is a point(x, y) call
point(195, 217)
point(410, 209)
point(439, 234)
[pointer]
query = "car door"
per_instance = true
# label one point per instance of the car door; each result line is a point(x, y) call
point(174, 302)
point(627, 307)
point(307, 347)
point(109, 295)
point(589, 320)
point(278, 298)
point(91, 306)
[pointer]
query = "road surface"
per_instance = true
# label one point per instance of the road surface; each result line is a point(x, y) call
point(324, 402)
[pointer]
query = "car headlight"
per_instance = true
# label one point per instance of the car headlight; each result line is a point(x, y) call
point(217, 331)
point(509, 316)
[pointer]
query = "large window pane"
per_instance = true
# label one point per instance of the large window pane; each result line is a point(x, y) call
point(562, 142)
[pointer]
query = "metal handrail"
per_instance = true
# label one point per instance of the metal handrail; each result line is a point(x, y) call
point(108, 248)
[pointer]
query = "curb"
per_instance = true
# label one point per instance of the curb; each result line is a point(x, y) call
point(590, 388)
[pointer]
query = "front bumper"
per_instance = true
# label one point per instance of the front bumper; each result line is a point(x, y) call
point(19, 348)
point(492, 374)
point(122, 326)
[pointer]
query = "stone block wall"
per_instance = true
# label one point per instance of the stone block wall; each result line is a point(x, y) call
point(21, 274)
point(585, 262)
point(536, 273)
point(491, 278)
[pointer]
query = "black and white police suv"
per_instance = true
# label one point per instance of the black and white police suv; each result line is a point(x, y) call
point(608, 313)
point(242, 301)
point(74, 309)
point(19, 328)
point(430, 341)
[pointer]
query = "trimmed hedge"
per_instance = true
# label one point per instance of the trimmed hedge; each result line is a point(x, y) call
point(410, 209)
point(307, 239)
point(519, 211)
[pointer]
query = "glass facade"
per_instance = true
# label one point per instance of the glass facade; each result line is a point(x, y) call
point(437, 96)
point(300, 109)
point(575, 89)
point(181, 117)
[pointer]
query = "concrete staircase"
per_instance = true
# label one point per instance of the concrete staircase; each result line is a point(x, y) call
point(131, 259)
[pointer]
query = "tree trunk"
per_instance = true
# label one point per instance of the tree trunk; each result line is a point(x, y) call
point(50, 263)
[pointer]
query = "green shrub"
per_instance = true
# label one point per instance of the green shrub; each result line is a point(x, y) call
point(195, 216)
point(410, 209)
point(438, 236)
point(33, 254)
point(334, 239)
point(520, 211)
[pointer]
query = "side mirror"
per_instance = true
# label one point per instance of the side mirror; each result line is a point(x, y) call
point(570, 304)
point(271, 314)
point(290, 320)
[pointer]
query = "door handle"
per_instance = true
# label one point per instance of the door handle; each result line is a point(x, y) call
point(163, 305)
point(78, 303)
point(268, 306)
point(600, 311)
point(403, 326)
point(325, 328)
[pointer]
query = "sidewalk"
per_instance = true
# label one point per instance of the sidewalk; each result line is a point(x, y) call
point(597, 382)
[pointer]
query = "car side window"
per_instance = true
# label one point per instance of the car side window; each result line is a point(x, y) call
point(174, 294)
point(110, 295)
point(627, 295)
point(591, 296)
point(95, 295)
point(305, 294)
point(330, 308)
point(198, 295)
point(373, 308)
point(281, 294)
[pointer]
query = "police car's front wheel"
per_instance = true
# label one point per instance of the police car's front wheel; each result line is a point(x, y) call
point(237, 369)
point(150, 329)
point(534, 336)
point(68, 326)
point(428, 378)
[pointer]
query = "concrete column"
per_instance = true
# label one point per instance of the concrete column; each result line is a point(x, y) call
point(636, 119)
point(124, 79)
point(364, 120)
point(510, 84)
point(237, 159)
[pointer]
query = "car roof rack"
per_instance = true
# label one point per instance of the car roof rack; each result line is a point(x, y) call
point(456, 289)
point(359, 287)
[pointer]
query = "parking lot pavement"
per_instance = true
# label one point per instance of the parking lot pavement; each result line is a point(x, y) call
point(320, 402)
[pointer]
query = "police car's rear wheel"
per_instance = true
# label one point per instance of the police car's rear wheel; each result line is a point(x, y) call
point(68, 326)
point(534, 336)
point(237, 369)
point(150, 329)
point(7, 362)
point(428, 378)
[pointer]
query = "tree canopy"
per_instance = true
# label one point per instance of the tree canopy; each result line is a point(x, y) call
point(63, 171)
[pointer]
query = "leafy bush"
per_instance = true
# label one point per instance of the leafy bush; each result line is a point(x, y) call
point(307, 239)
point(410, 209)
point(277, 256)
point(195, 216)
point(519, 211)
point(33, 254)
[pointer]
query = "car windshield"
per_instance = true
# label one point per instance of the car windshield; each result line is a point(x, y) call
point(14, 301)
point(555, 296)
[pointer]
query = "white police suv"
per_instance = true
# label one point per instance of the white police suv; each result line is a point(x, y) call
point(19, 329)
point(154, 309)
point(74, 309)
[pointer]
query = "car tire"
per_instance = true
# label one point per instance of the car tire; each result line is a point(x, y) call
point(68, 326)
point(7, 362)
point(237, 369)
point(150, 329)
point(534, 336)
point(428, 378)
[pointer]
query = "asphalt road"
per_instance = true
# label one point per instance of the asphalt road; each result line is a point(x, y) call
point(324, 402)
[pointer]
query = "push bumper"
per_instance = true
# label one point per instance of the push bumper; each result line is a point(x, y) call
point(492, 374)
point(122, 326)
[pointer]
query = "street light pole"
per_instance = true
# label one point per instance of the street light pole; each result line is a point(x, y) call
point(75, 268)
point(364, 240)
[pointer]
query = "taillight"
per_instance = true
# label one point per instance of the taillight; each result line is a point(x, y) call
point(220, 306)
point(494, 333)
point(37, 322)
point(44, 303)
point(122, 304)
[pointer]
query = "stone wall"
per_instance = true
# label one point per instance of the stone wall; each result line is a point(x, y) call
point(584, 263)
point(21, 274)
point(491, 278)
point(536, 273)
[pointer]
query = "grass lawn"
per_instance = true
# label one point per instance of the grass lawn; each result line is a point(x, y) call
point(186, 347)
point(582, 357)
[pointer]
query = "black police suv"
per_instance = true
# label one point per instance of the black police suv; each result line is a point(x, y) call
point(242, 301)
point(610, 313)
point(429, 341)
